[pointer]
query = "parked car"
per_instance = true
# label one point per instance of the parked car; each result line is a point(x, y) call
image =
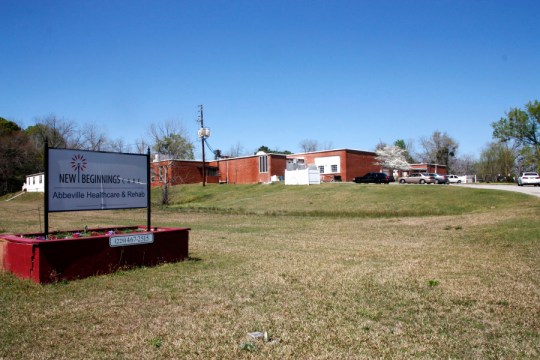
point(439, 179)
point(374, 177)
point(529, 178)
point(455, 179)
point(419, 178)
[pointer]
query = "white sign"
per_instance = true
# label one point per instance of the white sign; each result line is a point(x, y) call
point(134, 239)
point(89, 180)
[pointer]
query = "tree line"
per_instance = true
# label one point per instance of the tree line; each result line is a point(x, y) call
point(515, 146)
point(21, 150)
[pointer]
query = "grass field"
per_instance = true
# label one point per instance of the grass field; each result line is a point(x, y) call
point(332, 271)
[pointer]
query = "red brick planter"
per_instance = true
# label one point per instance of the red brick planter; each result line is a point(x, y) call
point(45, 261)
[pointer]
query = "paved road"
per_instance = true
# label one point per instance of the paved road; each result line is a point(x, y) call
point(531, 190)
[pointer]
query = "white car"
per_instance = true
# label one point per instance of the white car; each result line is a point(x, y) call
point(457, 179)
point(529, 178)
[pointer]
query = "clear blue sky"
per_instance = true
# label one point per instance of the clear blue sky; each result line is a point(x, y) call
point(274, 72)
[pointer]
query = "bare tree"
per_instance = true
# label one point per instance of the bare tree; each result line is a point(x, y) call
point(380, 145)
point(60, 133)
point(92, 138)
point(439, 148)
point(326, 145)
point(141, 146)
point(118, 145)
point(465, 165)
point(309, 145)
point(236, 150)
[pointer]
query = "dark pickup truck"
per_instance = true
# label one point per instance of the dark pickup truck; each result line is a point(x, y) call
point(374, 177)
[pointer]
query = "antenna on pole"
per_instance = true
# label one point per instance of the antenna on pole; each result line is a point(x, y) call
point(203, 134)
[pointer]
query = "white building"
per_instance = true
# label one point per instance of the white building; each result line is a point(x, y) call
point(34, 183)
point(297, 173)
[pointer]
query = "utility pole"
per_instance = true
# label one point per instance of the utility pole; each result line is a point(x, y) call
point(202, 136)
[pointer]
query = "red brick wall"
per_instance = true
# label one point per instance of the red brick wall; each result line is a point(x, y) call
point(245, 170)
point(180, 172)
point(360, 163)
point(278, 165)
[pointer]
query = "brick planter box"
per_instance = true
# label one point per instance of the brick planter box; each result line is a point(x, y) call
point(95, 252)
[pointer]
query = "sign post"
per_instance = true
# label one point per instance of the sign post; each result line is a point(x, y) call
point(148, 191)
point(46, 197)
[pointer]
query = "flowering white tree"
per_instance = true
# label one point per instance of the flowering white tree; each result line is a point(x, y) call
point(392, 157)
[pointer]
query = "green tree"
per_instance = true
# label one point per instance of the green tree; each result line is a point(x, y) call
point(400, 143)
point(496, 160)
point(18, 157)
point(174, 146)
point(8, 127)
point(170, 139)
point(523, 128)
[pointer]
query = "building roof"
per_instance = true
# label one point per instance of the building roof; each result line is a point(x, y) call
point(249, 156)
point(334, 150)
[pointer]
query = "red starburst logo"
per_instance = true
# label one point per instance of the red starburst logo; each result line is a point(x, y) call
point(78, 164)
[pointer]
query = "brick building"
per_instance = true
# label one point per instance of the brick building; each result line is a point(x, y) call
point(339, 165)
point(429, 168)
point(333, 165)
point(259, 168)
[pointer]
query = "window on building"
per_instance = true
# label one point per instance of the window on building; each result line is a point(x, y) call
point(33, 180)
point(330, 164)
point(321, 169)
point(263, 163)
point(40, 179)
point(152, 174)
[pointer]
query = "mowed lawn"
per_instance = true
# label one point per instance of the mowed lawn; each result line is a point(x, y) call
point(334, 271)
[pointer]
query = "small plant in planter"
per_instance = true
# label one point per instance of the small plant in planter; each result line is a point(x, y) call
point(85, 233)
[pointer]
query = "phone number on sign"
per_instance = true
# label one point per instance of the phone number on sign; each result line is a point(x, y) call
point(126, 240)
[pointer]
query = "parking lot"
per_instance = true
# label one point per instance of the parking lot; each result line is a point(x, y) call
point(530, 190)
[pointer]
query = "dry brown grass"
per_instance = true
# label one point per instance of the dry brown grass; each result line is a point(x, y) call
point(464, 286)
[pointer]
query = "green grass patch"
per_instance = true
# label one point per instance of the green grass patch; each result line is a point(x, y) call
point(340, 200)
point(359, 271)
